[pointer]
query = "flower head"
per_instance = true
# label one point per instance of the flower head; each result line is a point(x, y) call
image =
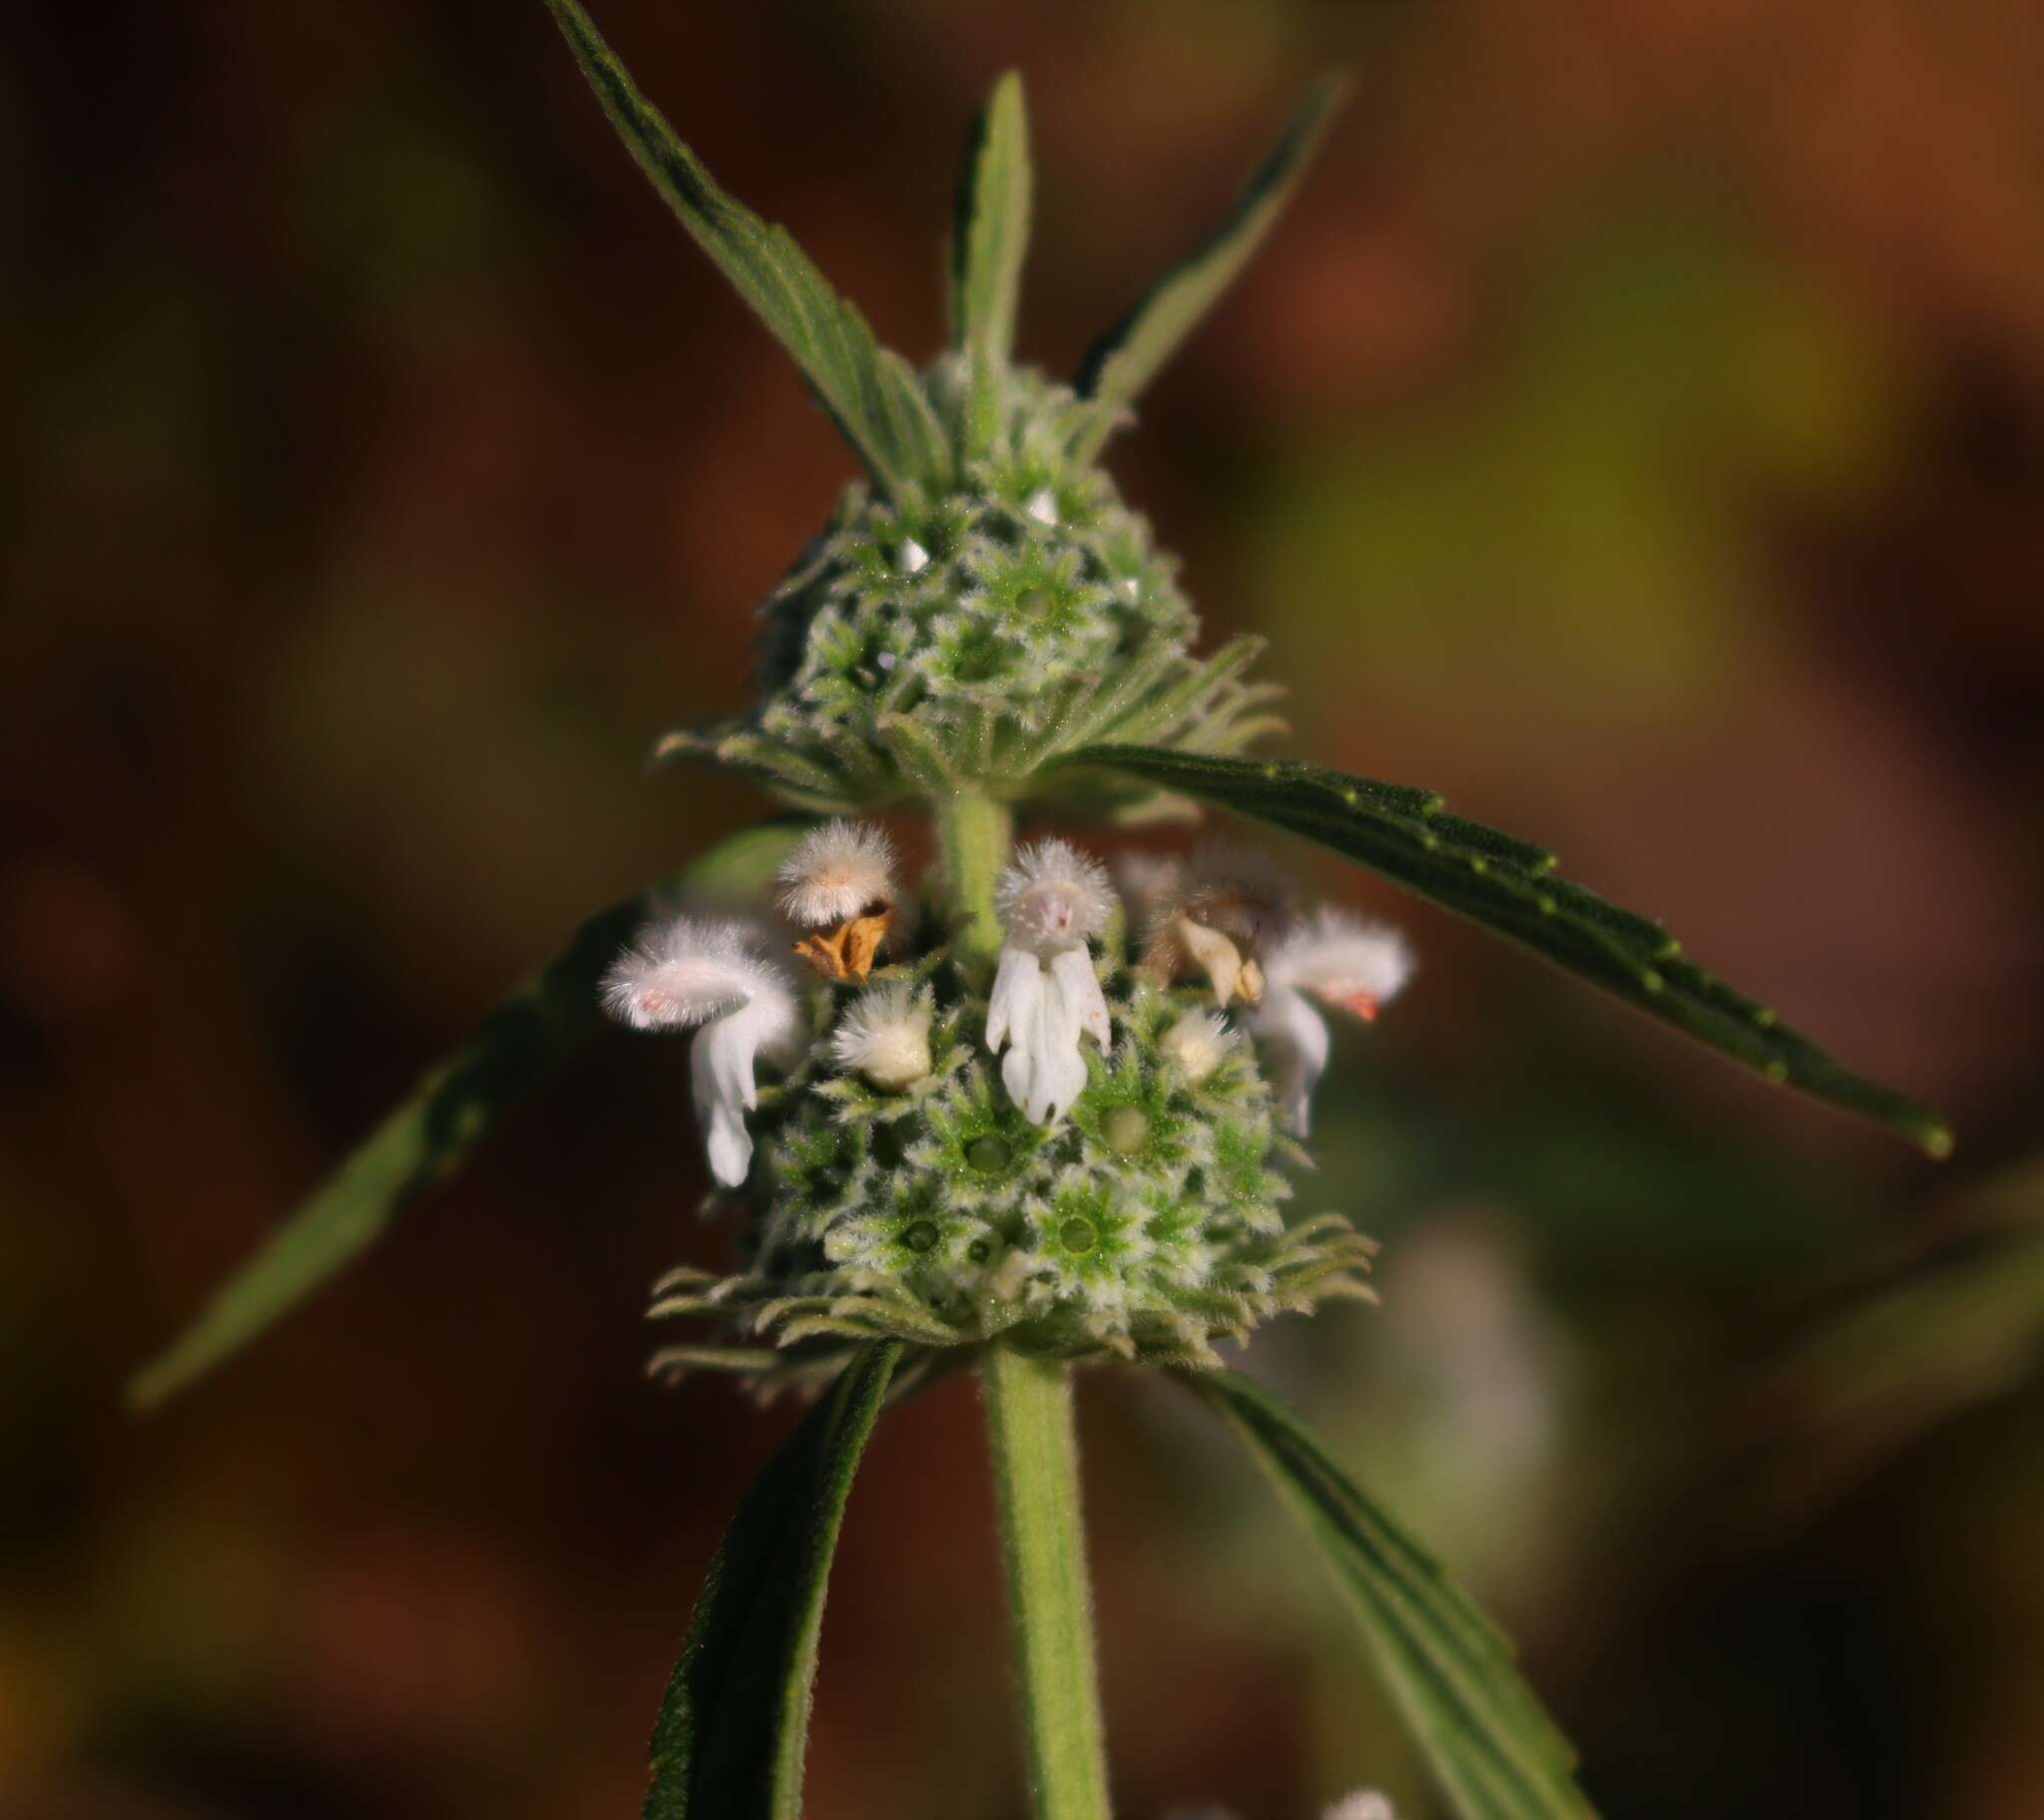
point(1343, 962)
point(836, 872)
point(885, 1035)
point(709, 977)
point(1052, 897)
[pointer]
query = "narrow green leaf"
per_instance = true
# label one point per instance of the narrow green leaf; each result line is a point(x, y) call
point(1446, 1666)
point(548, 1017)
point(1126, 358)
point(990, 233)
point(727, 1744)
point(872, 395)
point(1508, 886)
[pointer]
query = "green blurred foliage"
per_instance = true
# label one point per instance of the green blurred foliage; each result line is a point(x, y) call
point(1637, 431)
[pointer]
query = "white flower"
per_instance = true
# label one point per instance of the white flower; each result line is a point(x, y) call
point(1341, 961)
point(710, 977)
point(885, 1035)
point(914, 558)
point(1198, 1042)
point(1050, 901)
point(836, 872)
point(1042, 505)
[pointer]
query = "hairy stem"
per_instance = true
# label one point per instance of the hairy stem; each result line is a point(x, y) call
point(1036, 1476)
point(973, 832)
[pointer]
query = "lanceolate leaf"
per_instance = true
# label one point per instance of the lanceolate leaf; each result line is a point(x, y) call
point(1446, 1666)
point(543, 1022)
point(1509, 886)
point(991, 232)
point(728, 1741)
point(873, 395)
point(1125, 360)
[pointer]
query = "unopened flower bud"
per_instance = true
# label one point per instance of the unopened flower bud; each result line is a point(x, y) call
point(885, 1035)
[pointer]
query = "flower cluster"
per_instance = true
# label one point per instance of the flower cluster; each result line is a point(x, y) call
point(979, 634)
point(1080, 1152)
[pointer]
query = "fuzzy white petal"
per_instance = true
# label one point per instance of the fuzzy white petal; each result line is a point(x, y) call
point(1017, 980)
point(836, 871)
point(1052, 897)
point(687, 972)
point(1075, 980)
point(1343, 961)
point(1364, 1804)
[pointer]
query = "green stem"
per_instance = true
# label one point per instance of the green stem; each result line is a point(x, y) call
point(973, 832)
point(1036, 1476)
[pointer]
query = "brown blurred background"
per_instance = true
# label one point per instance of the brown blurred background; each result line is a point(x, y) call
point(1636, 431)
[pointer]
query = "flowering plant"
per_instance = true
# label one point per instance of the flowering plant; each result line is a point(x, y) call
point(1033, 1112)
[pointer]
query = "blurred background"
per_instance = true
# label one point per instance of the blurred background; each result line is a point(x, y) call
point(1636, 431)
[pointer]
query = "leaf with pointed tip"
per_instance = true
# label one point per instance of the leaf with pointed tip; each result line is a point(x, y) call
point(728, 1741)
point(425, 1139)
point(872, 395)
point(1508, 885)
point(1126, 358)
point(1448, 1670)
point(990, 233)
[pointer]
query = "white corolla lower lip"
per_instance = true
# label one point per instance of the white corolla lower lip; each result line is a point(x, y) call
point(1039, 1014)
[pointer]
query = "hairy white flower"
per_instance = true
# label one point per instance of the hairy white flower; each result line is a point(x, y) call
point(1343, 962)
point(914, 558)
point(1050, 901)
point(836, 871)
point(1198, 1043)
point(709, 977)
point(1042, 505)
point(885, 1035)
point(1052, 897)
